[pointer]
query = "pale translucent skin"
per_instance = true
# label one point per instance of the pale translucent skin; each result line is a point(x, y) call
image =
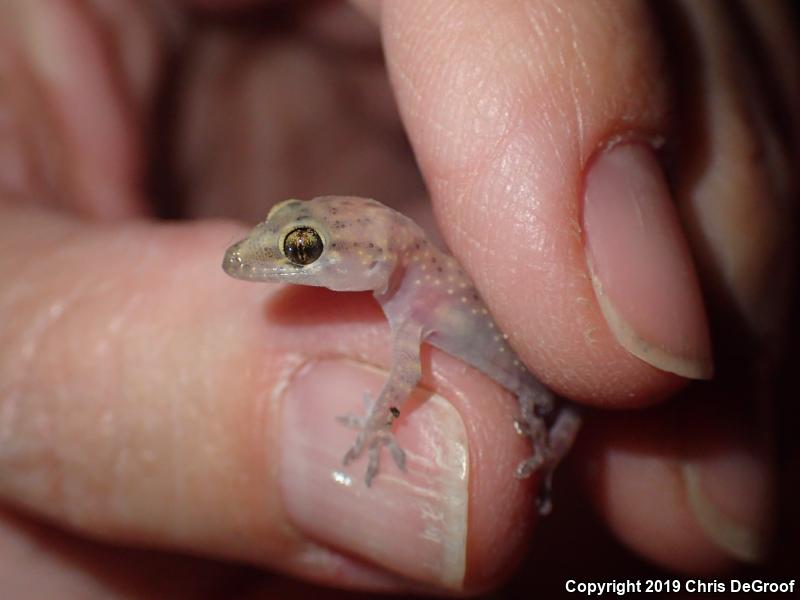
point(425, 295)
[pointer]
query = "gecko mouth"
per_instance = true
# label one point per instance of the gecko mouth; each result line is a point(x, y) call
point(235, 265)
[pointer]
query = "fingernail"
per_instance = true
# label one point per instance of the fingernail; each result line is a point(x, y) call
point(730, 499)
point(413, 523)
point(639, 260)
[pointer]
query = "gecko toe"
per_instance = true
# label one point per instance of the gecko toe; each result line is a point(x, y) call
point(351, 421)
point(544, 504)
point(533, 465)
point(521, 427)
point(355, 450)
point(528, 467)
point(349, 457)
point(372, 464)
point(544, 497)
point(396, 451)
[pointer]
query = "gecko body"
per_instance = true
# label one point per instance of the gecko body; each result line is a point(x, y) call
point(347, 243)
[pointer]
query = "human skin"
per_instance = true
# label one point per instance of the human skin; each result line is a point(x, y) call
point(148, 401)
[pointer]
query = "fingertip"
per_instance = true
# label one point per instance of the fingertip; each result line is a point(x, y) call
point(412, 522)
point(682, 490)
point(641, 269)
point(502, 509)
point(505, 148)
point(455, 519)
point(87, 115)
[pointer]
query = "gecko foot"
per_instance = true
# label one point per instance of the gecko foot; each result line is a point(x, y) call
point(531, 465)
point(374, 432)
point(549, 448)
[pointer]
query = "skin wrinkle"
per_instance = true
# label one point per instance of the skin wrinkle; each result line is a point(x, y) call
point(444, 19)
point(576, 116)
point(73, 499)
point(118, 322)
point(39, 327)
point(502, 156)
point(477, 163)
point(48, 327)
point(497, 153)
point(466, 76)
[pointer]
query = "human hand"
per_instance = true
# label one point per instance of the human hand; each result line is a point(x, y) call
point(150, 401)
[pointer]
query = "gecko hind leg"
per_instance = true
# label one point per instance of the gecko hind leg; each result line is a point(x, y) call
point(549, 445)
point(533, 408)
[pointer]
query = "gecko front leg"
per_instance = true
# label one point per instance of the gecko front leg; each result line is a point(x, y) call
point(375, 427)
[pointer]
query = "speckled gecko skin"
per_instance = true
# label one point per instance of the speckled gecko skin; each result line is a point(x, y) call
point(347, 243)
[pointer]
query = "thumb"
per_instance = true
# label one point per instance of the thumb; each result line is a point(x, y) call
point(536, 146)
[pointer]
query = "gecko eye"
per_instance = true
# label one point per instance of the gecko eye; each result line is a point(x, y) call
point(302, 246)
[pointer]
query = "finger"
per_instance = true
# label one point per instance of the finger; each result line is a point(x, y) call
point(75, 135)
point(698, 502)
point(149, 399)
point(38, 561)
point(737, 193)
point(570, 234)
point(735, 183)
point(135, 36)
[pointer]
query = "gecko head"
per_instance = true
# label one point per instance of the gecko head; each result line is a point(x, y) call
point(301, 243)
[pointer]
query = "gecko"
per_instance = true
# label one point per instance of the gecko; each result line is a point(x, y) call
point(347, 243)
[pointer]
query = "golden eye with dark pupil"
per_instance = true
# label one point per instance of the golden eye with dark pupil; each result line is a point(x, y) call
point(302, 246)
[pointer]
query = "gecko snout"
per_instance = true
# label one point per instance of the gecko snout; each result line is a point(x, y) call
point(233, 261)
point(249, 259)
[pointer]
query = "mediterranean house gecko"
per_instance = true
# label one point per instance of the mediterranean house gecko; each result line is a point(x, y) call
point(347, 243)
